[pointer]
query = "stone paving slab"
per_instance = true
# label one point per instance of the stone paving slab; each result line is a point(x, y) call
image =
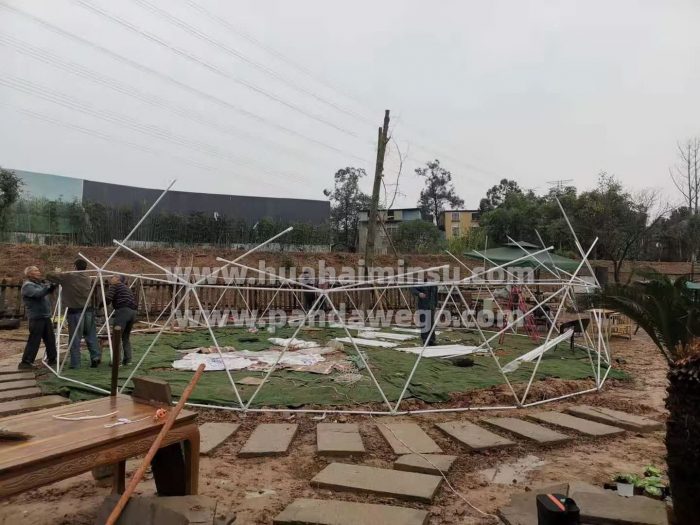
point(14, 385)
point(21, 393)
point(613, 509)
point(473, 436)
point(339, 439)
point(35, 403)
point(417, 441)
point(522, 509)
point(425, 463)
point(10, 368)
point(17, 376)
point(212, 435)
point(269, 439)
point(527, 430)
point(324, 512)
point(615, 418)
point(402, 485)
point(584, 426)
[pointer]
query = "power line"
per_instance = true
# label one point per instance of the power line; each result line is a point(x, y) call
point(214, 69)
point(241, 56)
point(61, 99)
point(120, 87)
point(225, 23)
point(172, 80)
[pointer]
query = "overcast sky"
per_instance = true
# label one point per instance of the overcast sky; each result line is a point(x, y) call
point(272, 97)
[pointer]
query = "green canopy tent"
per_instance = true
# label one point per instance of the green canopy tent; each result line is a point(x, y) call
point(511, 252)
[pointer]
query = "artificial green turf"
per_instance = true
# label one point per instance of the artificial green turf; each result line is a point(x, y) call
point(434, 381)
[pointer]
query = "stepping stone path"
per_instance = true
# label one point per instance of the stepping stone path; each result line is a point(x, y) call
point(536, 433)
point(214, 434)
point(425, 463)
point(18, 376)
point(269, 439)
point(339, 439)
point(584, 426)
point(21, 393)
point(25, 405)
point(14, 385)
point(397, 484)
point(615, 418)
point(320, 512)
point(415, 439)
point(473, 436)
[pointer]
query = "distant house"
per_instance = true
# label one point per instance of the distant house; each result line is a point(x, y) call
point(456, 223)
point(391, 219)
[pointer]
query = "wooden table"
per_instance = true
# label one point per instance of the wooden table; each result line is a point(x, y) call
point(63, 449)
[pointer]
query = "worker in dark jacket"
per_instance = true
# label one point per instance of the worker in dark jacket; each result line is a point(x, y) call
point(75, 293)
point(124, 303)
point(426, 302)
point(35, 295)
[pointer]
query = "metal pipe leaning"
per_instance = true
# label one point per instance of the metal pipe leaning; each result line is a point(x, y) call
point(116, 512)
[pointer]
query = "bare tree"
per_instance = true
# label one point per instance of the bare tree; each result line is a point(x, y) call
point(685, 174)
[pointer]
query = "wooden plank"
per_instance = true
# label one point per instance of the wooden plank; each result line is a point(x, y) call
point(14, 385)
point(17, 376)
point(35, 403)
point(21, 393)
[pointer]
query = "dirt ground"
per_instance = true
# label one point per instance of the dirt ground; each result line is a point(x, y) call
point(15, 257)
point(259, 488)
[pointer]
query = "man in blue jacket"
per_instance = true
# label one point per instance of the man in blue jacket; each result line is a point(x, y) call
point(35, 295)
point(426, 302)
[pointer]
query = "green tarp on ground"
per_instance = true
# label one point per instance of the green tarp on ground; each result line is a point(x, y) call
point(434, 381)
point(507, 254)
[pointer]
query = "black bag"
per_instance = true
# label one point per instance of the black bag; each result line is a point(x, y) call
point(555, 509)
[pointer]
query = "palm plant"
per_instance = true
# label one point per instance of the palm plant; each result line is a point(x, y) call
point(668, 311)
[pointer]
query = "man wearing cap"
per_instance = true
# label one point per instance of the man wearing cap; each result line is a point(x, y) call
point(35, 295)
point(75, 294)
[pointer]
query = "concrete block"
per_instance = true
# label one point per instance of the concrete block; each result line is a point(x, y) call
point(324, 512)
point(415, 439)
point(339, 439)
point(269, 439)
point(154, 510)
point(611, 509)
point(527, 430)
point(402, 485)
point(473, 436)
point(616, 418)
point(584, 426)
point(214, 434)
point(425, 463)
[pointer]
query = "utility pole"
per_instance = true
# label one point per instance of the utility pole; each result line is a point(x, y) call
point(382, 140)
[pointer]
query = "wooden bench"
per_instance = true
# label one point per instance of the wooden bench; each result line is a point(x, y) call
point(62, 449)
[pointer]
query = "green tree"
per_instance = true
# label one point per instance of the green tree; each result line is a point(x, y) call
point(619, 221)
point(517, 217)
point(418, 237)
point(438, 191)
point(670, 314)
point(10, 189)
point(497, 194)
point(346, 202)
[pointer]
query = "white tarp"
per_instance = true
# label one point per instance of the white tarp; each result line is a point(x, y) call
point(246, 359)
point(443, 350)
point(386, 335)
point(366, 342)
point(293, 343)
point(534, 354)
